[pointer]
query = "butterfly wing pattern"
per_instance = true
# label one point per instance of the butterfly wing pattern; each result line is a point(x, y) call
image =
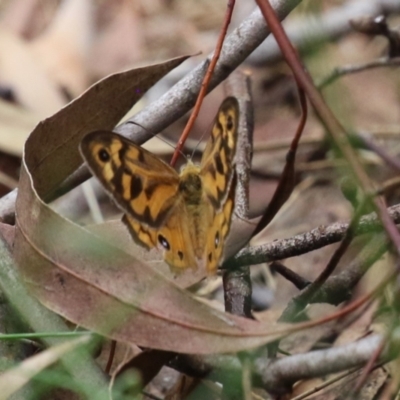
point(217, 162)
point(219, 178)
point(143, 185)
point(186, 215)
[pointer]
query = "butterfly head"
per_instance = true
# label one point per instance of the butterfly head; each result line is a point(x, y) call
point(190, 184)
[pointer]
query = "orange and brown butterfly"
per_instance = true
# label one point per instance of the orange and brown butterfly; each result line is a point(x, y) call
point(186, 215)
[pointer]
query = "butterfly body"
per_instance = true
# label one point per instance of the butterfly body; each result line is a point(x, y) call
point(185, 215)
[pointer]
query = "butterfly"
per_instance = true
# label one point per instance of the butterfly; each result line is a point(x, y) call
point(186, 215)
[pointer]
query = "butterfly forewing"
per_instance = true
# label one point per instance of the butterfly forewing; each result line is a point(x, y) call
point(217, 161)
point(143, 186)
point(219, 230)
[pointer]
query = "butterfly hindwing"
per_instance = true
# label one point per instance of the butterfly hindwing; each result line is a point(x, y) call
point(217, 163)
point(143, 185)
point(173, 238)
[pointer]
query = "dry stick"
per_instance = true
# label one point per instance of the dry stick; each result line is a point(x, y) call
point(327, 118)
point(311, 290)
point(206, 81)
point(312, 240)
point(389, 184)
point(285, 371)
point(290, 275)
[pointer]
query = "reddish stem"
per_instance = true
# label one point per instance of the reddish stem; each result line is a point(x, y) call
point(111, 356)
point(205, 83)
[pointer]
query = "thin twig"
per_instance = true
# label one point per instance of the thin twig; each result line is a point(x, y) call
point(206, 82)
point(312, 240)
point(298, 281)
point(308, 293)
point(352, 69)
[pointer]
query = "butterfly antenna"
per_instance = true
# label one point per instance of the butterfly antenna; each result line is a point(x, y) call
point(198, 144)
point(159, 137)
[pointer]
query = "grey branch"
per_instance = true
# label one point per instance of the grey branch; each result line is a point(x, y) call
point(309, 241)
point(278, 375)
point(285, 371)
